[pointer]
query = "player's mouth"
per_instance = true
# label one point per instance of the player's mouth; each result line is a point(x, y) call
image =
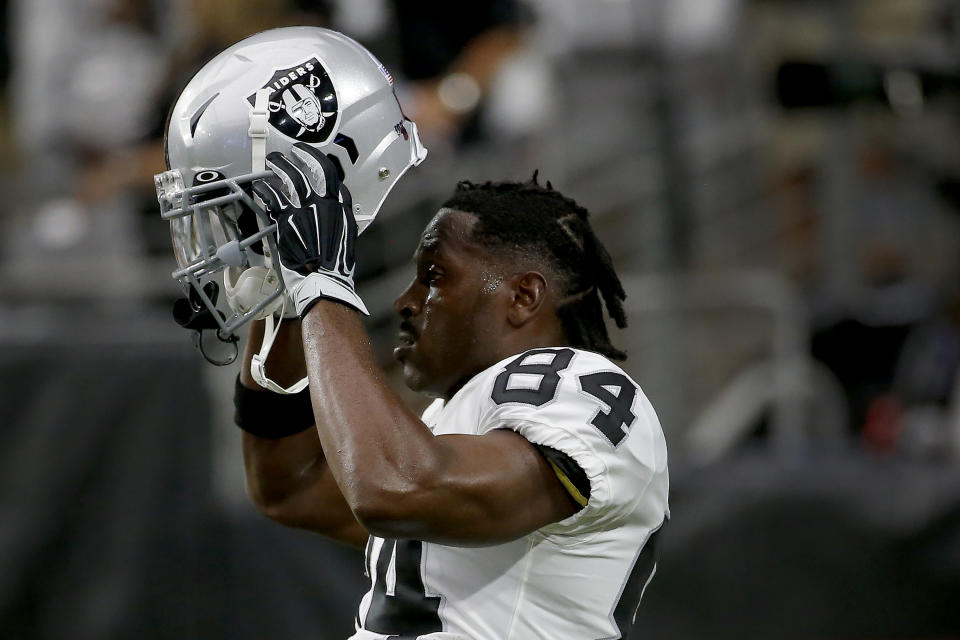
point(406, 339)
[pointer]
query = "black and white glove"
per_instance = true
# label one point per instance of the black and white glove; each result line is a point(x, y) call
point(316, 230)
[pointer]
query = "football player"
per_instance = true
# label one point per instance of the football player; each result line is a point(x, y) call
point(526, 501)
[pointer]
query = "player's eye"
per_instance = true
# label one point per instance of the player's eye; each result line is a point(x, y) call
point(431, 274)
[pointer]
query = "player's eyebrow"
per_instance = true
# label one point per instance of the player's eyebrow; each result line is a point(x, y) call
point(429, 244)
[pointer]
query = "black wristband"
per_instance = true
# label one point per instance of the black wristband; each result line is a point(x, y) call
point(272, 415)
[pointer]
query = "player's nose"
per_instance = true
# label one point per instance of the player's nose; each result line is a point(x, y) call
point(407, 303)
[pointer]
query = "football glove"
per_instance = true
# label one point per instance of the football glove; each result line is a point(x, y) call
point(316, 230)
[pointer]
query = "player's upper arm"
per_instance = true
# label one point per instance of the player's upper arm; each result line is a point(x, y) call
point(484, 490)
point(498, 485)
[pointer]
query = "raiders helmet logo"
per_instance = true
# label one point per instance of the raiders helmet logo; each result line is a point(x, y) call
point(303, 103)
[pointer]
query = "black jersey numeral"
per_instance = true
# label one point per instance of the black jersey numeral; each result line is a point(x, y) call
point(613, 389)
point(547, 372)
point(616, 424)
point(409, 611)
point(625, 610)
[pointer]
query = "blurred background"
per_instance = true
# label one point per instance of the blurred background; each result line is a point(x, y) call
point(777, 180)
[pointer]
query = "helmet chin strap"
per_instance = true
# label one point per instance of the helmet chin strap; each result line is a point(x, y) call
point(259, 361)
point(259, 116)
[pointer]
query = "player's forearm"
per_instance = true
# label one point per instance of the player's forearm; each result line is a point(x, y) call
point(289, 482)
point(285, 363)
point(278, 468)
point(380, 453)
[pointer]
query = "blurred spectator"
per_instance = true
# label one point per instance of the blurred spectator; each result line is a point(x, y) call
point(881, 285)
point(925, 379)
point(213, 26)
point(120, 83)
point(86, 77)
point(118, 64)
point(448, 54)
point(451, 52)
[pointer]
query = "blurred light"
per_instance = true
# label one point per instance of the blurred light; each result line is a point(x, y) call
point(60, 224)
point(110, 90)
point(522, 97)
point(362, 19)
point(696, 25)
point(905, 92)
point(459, 92)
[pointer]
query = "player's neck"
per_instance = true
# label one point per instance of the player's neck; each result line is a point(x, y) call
point(536, 338)
point(510, 347)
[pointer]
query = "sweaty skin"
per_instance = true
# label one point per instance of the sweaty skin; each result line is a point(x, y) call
point(372, 465)
point(288, 478)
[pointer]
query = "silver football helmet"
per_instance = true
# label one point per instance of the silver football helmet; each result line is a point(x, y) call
point(263, 94)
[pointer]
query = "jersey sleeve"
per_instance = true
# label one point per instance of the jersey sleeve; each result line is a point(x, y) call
point(584, 406)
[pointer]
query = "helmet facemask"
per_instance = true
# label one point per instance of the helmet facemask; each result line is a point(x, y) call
point(211, 231)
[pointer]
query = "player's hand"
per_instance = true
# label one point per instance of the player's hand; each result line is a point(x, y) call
point(316, 230)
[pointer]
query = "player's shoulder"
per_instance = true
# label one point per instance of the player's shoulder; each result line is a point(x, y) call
point(585, 361)
point(562, 386)
point(585, 406)
point(532, 377)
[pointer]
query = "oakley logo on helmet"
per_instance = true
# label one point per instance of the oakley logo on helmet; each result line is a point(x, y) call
point(303, 103)
point(206, 175)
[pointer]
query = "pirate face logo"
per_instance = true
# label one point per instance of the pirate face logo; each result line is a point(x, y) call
point(303, 103)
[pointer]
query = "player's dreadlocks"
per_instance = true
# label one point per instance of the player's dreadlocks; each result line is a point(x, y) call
point(527, 219)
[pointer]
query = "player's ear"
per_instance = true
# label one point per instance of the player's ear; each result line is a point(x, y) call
point(529, 290)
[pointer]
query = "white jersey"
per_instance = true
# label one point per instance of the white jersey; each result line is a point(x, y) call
point(577, 579)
